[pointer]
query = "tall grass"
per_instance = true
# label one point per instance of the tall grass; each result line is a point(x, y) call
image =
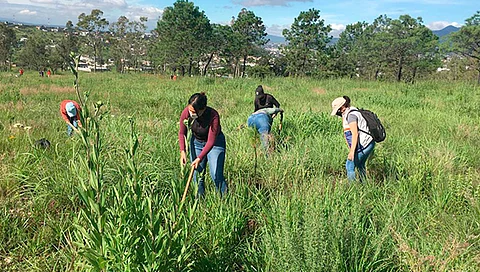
point(110, 199)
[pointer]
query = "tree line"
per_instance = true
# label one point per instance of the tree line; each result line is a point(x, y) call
point(185, 42)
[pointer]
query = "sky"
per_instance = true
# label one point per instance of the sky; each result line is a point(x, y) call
point(276, 14)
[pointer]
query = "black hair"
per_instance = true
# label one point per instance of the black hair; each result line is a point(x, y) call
point(347, 101)
point(198, 101)
point(259, 91)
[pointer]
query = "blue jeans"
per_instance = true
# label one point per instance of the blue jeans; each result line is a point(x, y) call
point(263, 124)
point(360, 158)
point(74, 122)
point(216, 162)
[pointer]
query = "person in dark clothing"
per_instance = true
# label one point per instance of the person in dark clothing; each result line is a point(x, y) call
point(264, 100)
point(207, 143)
point(266, 108)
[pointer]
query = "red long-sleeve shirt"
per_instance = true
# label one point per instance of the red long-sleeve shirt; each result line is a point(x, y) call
point(63, 111)
point(204, 128)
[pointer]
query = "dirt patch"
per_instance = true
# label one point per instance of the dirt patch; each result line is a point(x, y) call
point(319, 91)
point(46, 89)
point(5, 86)
point(267, 88)
point(467, 131)
point(19, 106)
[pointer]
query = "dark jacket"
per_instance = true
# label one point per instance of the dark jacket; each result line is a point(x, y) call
point(265, 101)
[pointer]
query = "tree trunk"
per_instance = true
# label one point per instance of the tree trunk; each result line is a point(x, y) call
point(244, 65)
point(304, 63)
point(204, 73)
point(399, 72)
point(377, 72)
point(190, 64)
point(94, 57)
point(414, 74)
point(235, 68)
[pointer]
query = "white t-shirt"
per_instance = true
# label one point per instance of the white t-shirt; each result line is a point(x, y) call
point(354, 115)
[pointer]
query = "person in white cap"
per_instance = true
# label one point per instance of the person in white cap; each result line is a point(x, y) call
point(356, 133)
point(70, 111)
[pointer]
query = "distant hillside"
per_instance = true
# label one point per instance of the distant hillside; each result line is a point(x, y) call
point(276, 39)
point(281, 40)
point(445, 31)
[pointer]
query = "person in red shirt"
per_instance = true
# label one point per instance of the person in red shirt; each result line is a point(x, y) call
point(21, 71)
point(70, 111)
point(49, 73)
point(207, 143)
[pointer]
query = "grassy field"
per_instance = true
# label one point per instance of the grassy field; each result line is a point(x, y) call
point(109, 199)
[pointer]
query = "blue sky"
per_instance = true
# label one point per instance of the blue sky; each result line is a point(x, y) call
point(276, 14)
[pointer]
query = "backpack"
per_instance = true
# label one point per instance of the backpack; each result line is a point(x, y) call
point(377, 131)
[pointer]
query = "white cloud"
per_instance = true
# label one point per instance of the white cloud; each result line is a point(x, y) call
point(276, 30)
point(103, 3)
point(150, 12)
point(27, 12)
point(427, 2)
point(44, 1)
point(253, 3)
point(336, 29)
point(442, 24)
point(113, 3)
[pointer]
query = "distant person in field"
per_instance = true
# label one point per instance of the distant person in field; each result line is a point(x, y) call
point(207, 143)
point(70, 111)
point(20, 72)
point(359, 142)
point(266, 108)
point(264, 100)
point(49, 73)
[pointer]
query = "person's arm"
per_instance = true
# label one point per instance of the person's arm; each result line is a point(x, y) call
point(63, 112)
point(256, 104)
point(213, 131)
point(272, 111)
point(274, 101)
point(354, 130)
point(65, 117)
point(182, 134)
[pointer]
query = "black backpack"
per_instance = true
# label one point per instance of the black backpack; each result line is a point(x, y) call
point(377, 131)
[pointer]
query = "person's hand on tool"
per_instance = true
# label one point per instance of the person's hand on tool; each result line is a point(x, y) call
point(351, 156)
point(280, 126)
point(183, 158)
point(196, 162)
